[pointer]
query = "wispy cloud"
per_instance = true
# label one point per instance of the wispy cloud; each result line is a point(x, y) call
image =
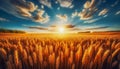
point(90, 8)
point(103, 12)
point(74, 14)
point(65, 3)
point(18, 8)
point(36, 27)
point(23, 9)
point(117, 13)
point(46, 3)
point(3, 19)
point(65, 26)
point(62, 17)
point(97, 28)
point(115, 3)
point(72, 6)
point(92, 20)
point(40, 18)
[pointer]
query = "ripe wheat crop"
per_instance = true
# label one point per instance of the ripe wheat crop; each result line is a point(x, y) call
point(59, 53)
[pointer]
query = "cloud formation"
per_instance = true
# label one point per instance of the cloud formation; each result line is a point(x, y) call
point(74, 14)
point(115, 3)
point(62, 17)
point(117, 13)
point(92, 20)
point(96, 28)
point(90, 8)
point(36, 27)
point(103, 12)
point(65, 26)
point(18, 8)
point(46, 3)
point(65, 3)
point(3, 19)
point(23, 9)
point(40, 18)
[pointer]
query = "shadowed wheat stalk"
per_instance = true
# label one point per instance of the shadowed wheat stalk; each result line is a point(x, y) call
point(55, 53)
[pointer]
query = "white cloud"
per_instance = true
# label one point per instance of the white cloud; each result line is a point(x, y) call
point(85, 15)
point(58, 8)
point(42, 6)
point(103, 12)
point(105, 15)
point(19, 8)
point(25, 10)
point(40, 17)
point(92, 20)
point(46, 3)
point(89, 9)
point(3, 19)
point(65, 3)
point(74, 14)
point(62, 17)
point(72, 6)
point(117, 13)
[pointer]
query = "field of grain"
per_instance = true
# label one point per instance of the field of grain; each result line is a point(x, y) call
point(50, 51)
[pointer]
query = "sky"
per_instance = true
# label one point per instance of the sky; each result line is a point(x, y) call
point(48, 15)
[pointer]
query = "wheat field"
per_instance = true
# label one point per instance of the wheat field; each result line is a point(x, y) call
point(59, 51)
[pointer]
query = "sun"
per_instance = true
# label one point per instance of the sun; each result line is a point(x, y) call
point(61, 30)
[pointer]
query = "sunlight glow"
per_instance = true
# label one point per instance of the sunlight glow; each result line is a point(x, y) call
point(61, 30)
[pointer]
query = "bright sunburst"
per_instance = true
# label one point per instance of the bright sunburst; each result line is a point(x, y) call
point(61, 30)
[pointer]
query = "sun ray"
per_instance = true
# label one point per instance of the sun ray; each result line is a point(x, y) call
point(61, 30)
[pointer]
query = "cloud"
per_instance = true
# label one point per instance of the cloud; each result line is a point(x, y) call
point(69, 26)
point(72, 6)
point(97, 28)
point(41, 28)
point(103, 12)
point(74, 14)
point(38, 27)
point(19, 8)
point(65, 3)
point(62, 17)
point(89, 9)
point(40, 18)
point(92, 20)
point(85, 14)
point(58, 8)
point(46, 3)
point(87, 4)
point(42, 6)
point(117, 13)
point(24, 9)
point(3, 19)
point(115, 3)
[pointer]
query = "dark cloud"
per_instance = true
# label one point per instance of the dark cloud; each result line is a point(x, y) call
point(65, 26)
point(115, 3)
point(53, 28)
point(69, 26)
point(40, 28)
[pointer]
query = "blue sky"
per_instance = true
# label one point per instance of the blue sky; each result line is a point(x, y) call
point(42, 15)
